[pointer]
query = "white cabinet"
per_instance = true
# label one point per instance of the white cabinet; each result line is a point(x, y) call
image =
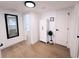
point(43, 30)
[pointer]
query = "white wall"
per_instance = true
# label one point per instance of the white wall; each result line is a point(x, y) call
point(3, 36)
point(46, 16)
point(60, 20)
point(69, 17)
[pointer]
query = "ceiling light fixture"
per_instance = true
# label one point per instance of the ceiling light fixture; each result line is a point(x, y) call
point(29, 4)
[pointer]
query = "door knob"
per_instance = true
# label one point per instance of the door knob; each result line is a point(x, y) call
point(77, 36)
point(57, 29)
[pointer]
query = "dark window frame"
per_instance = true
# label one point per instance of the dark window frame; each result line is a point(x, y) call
point(7, 25)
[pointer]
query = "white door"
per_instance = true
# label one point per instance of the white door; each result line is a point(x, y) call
point(61, 28)
point(74, 33)
point(78, 48)
point(78, 38)
point(77, 44)
point(43, 30)
point(74, 41)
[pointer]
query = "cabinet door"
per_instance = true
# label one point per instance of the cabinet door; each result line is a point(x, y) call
point(43, 30)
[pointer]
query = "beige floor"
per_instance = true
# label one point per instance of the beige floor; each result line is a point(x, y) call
point(42, 50)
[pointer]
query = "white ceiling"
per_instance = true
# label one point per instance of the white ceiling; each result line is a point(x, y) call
point(41, 6)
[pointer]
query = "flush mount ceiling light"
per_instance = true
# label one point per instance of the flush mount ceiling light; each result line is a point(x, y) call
point(29, 4)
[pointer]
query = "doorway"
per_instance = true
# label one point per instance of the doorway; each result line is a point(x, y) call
point(27, 28)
